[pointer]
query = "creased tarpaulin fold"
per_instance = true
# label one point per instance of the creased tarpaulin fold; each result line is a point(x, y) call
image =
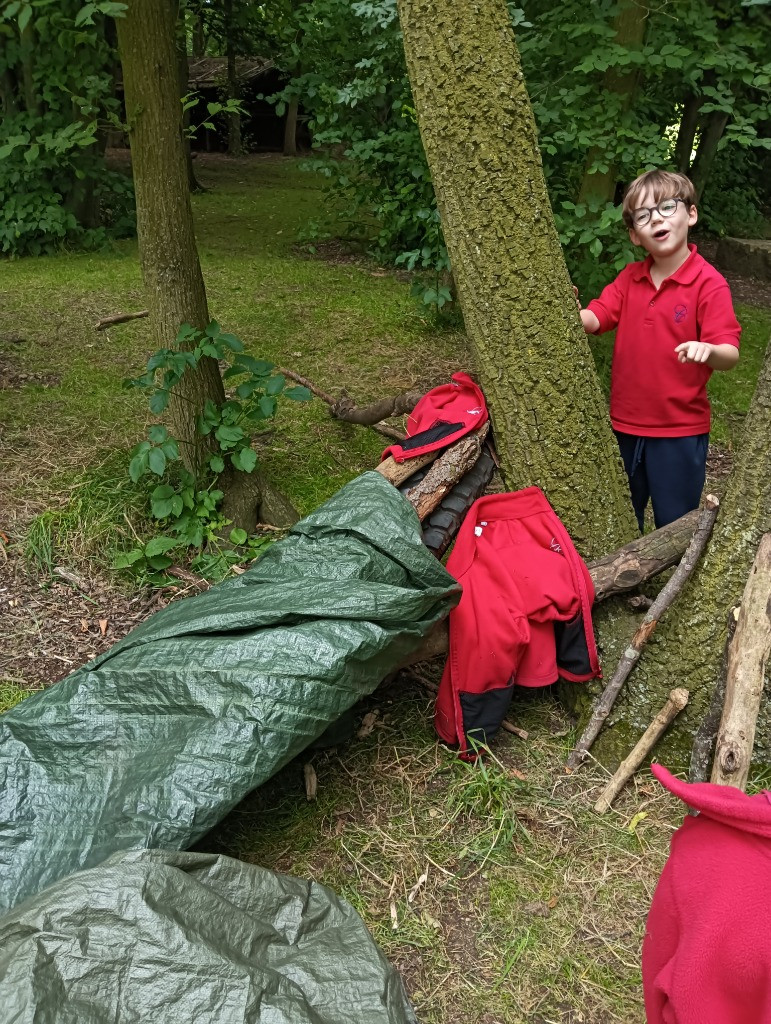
point(183, 938)
point(153, 742)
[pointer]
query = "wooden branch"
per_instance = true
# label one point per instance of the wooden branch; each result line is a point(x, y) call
point(706, 735)
point(747, 659)
point(643, 558)
point(390, 432)
point(452, 464)
point(677, 701)
point(397, 472)
point(631, 655)
point(119, 318)
point(346, 409)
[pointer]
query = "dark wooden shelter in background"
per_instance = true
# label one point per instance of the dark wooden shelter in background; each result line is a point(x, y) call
point(262, 130)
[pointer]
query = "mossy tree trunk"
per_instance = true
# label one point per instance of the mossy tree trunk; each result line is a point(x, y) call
point(476, 122)
point(687, 648)
point(167, 247)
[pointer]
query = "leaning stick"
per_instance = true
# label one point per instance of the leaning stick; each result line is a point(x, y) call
point(119, 318)
point(677, 700)
point(630, 656)
point(747, 659)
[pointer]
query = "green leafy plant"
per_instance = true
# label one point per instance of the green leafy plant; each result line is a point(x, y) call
point(186, 504)
point(58, 98)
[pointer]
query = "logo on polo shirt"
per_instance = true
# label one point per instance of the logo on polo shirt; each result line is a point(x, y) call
point(680, 313)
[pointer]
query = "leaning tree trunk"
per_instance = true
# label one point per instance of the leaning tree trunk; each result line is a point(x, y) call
point(688, 647)
point(476, 122)
point(235, 147)
point(167, 247)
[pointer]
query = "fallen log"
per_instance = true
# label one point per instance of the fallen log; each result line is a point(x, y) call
point(454, 462)
point(644, 558)
point(119, 318)
point(677, 700)
point(631, 655)
point(397, 472)
point(747, 660)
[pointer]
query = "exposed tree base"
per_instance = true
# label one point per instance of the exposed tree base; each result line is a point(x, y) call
point(251, 499)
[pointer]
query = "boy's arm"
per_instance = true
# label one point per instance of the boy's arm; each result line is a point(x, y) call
point(719, 331)
point(589, 321)
point(603, 314)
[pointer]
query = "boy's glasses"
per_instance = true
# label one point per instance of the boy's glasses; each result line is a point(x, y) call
point(666, 208)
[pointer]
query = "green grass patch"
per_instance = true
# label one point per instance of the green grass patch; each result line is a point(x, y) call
point(11, 693)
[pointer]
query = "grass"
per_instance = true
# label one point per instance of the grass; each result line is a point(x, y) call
point(495, 889)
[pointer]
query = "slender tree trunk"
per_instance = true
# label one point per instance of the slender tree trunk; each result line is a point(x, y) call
point(711, 134)
point(8, 94)
point(199, 41)
point(234, 90)
point(31, 100)
point(183, 85)
point(477, 126)
point(168, 253)
point(689, 644)
point(629, 24)
point(290, 127)
point(686, 135)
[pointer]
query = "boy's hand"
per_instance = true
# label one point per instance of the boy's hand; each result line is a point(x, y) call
point(694, 351)
point(578, 301)
point(717, 357)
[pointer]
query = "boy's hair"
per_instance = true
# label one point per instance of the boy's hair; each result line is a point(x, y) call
point(662, 185)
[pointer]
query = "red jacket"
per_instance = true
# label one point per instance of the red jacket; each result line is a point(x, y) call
point(442, 416)
point(706, 955)
point(524, 617)
point(652, 394)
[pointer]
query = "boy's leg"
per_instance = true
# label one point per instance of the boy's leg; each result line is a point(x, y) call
point(676, 468)
point(633, 455)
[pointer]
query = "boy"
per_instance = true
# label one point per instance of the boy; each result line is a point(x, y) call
point(675, 324)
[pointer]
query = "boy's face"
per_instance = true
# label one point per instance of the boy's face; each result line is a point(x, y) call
point(663, 236)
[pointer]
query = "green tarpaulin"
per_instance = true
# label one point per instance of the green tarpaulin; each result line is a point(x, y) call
point(155, 937)
point(152, 743)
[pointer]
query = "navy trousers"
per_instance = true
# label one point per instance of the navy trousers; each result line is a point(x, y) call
point(670, 471)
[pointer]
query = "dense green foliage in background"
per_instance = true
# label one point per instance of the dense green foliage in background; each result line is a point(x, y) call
point(57, 95)
point(713, 58)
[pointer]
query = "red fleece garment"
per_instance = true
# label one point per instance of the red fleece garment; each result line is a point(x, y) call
point(520, 575)
point(706, 955)
point(460, 403)
point(652, 394)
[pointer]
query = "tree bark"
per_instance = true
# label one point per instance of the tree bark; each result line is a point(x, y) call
point(689, 122)
point(167, 247)
point(476, 122)
point(235, 147)
point(290, 127)
point(620, 86)
point(747, 660)
point(689, 645)
point(711, 134)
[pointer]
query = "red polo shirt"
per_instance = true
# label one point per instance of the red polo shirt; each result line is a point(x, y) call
point(652, 394)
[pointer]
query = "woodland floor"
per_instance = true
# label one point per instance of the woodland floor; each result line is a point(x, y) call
point(530, 907)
